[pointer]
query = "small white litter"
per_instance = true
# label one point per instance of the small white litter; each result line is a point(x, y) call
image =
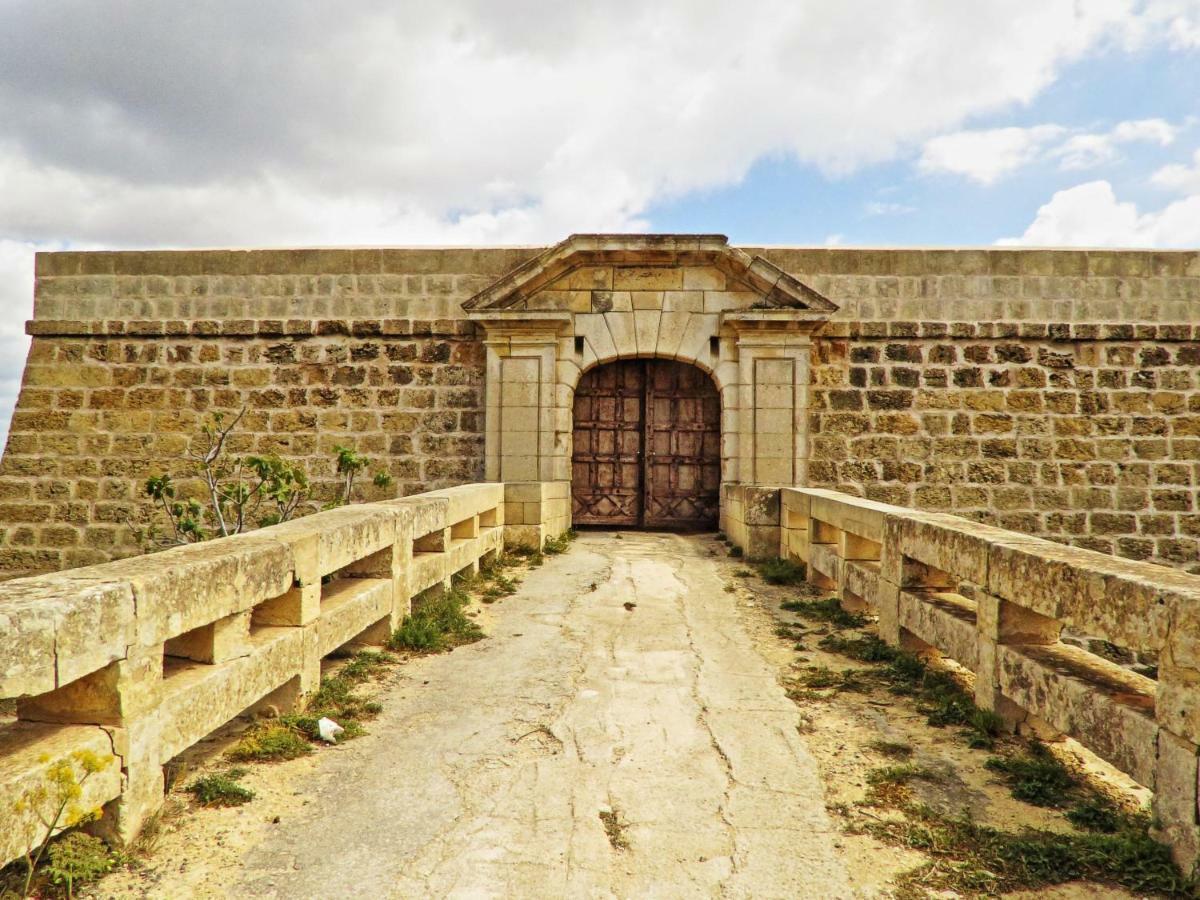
point(329, 730)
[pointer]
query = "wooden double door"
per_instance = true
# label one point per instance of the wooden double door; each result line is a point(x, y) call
point(647, 446)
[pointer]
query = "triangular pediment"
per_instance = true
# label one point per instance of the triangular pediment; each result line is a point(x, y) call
point(586, 272)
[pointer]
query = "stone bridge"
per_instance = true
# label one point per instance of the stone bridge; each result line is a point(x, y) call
point(140, 659)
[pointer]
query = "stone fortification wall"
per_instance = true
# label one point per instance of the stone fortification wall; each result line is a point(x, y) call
point(1055, 392)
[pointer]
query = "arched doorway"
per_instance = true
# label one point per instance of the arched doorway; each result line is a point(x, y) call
point(647, 449)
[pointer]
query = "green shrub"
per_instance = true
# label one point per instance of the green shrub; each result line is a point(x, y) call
point(77, 859)
point(269, 742)
point(221, 789)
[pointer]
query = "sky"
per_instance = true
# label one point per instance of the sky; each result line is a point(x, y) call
point(221, 123)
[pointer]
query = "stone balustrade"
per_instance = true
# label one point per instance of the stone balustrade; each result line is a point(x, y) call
point(138, 660)
point(996, 602)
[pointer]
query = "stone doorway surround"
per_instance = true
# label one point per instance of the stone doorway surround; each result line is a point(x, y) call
point(594, 298)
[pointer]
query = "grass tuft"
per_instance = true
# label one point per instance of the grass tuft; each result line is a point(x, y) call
point(1036, 777)
point(892, 749)
point(828, 610)
point(221, 789)
point(976, 860)
point(782, 571)
point(269, 742)
point(556, 545)
point(438, 624)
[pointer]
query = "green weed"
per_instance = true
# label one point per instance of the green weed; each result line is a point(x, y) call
point(439, 623)
point(820, 678)
point(828, 610)
point(79, 858)
point(1037, 777)
point(735, 552)
point(976, 860)
point(365, 665)
point(892, 749)
point(782, 571)
point(221, 789)
point(556, 545)
point(269, 742)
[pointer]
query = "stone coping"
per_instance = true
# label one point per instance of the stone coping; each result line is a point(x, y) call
point(498, 261)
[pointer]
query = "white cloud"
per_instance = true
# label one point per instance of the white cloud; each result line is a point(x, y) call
point(1178, 177)
point(988, 155)
point(1086, 151)
point(1089, 215)
point(876, 208)
point(1178, 20)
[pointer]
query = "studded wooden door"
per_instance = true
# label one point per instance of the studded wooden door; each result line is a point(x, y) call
point(647, 446)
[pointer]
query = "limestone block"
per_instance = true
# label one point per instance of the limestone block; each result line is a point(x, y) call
point(120, 692)
point(762, 541)
point(864, 518)
point(27, 659)
point(57, 630)
point(943, 542)
point(350, 605)
point(218, 642)
point(299, 606)
point(823, 560)
point(704, 278)
point(889, 612)
point(645, 323)
point(1175, 799)
point(1178, 701)
point(795, 504)
point(428, 514)
point(694, 345)
point(671, 328)
point(761, 505)
point(26, 752)
point(1091, 592)
point(594, 330)
point(622, 327)
point(775, 469)
point(647, 278)
point(942, 620)
point(1007, 623)
point(683, 301)
point(861, 578)
point(181, 589)
point(1106, 708)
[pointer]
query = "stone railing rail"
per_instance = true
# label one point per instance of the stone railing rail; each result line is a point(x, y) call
point(996, 602)
point(137, 660)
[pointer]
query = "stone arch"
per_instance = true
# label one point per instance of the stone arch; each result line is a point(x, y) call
point(593, 299)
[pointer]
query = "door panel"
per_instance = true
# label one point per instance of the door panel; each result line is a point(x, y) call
point(683, 468)
point(606, 465)
point(647, 446)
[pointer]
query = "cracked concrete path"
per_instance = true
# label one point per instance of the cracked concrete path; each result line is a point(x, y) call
point(489, 769)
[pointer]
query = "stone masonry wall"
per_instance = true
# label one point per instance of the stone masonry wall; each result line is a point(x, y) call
point(1054, 392)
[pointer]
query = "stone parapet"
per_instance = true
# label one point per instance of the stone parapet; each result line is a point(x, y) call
point(138, 660)
point(997, 602)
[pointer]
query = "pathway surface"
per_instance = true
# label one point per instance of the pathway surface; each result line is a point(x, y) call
point(489, 777)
